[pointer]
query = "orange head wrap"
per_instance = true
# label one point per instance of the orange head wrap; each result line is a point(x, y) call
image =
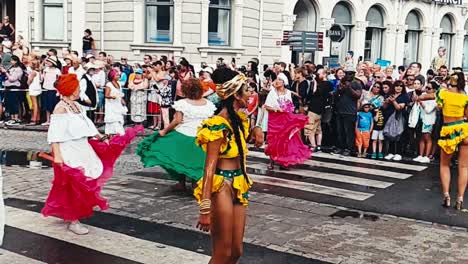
point(67, 84)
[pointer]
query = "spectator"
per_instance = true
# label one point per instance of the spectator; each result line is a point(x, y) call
point(50, 75)
point(12, 86)
point(77, 68)
point(349, 92)
point(252, 104)
point(394, 105)
point(316, 99)
point(427, 117)
point(7, 30)
point(147, 59)
point(102, 56)
point(364, 125)
point(138, 87)
point(35, 90)
point(99, 79)
point(88, 91)
point(89, 44)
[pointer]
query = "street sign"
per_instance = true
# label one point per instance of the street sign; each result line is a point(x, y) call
point(303, 41)
point(336, 33)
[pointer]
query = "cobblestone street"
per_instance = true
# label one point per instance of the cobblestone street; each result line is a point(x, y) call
point(282, 224)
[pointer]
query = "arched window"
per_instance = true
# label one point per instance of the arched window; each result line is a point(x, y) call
point(53, 16)
point(465, 48)
point(159, 20)
point(219, 22)
point(412, 37)
point(306, 20)
point(374, 34)
point(342, 15)
point(446, 36)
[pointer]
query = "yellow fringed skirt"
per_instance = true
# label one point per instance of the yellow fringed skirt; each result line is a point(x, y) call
point(240, 184)
point(451, 135)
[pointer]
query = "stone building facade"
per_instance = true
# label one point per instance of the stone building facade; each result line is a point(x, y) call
point(400, 31)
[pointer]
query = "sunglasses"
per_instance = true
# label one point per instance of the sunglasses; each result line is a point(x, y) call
point(124, 59)
point(398, 86)
point(428, 88)
point(378, 77)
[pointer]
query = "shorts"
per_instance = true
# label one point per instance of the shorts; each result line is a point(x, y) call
point(362, 139)
point(154, 108)
point(377, 135)
point(427, 129)
point(49, 100)
point(314, 126)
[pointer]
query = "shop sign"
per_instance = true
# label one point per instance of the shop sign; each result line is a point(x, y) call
point(336, 33)
point(448, 2)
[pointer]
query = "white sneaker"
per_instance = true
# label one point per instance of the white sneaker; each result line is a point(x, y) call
point(389, 156)
point(397, 157)
point(425, 160)
point(418, 158)
point(78, 228)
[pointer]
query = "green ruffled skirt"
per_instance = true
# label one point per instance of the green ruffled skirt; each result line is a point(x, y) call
point(175, 152)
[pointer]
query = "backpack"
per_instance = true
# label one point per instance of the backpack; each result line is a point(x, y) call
point(394, 127)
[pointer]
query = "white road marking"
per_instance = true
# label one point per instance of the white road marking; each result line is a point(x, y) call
point(310, 187)
point(330, 177)
point(102, 240)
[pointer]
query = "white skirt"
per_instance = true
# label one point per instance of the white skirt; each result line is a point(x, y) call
point(115, 128)
point(79, 154)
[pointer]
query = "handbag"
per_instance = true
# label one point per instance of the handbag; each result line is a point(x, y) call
point(394, 127)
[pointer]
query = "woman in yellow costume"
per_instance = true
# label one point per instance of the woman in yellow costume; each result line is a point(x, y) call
point(223, 191)
point(453, 101)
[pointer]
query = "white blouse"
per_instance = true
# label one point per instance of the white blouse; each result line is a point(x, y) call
point(193, 115)
point(70, 126)
point(72, 130)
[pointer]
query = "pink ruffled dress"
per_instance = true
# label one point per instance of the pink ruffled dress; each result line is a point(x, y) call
point(285, 145)
point(88, 165)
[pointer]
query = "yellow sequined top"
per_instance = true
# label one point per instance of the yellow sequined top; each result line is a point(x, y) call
point(218, 127)
point(452, 104)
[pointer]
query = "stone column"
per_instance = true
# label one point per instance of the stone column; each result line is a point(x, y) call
point(22, 20)
point(288, 24)
point(177, 34)
point(138, 22)
point(205, 9)
point(358, 41)
point(425, 44)
point(457, 48)
point(238, 24)
point(400, 44)
point(389, 46)
point(78, 22)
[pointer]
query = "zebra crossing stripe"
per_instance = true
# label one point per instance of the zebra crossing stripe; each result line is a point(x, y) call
point(388, 164)
point(337, 166)
point(330, 177)
point(310, 187)
point(10, 257)
point(102, 240)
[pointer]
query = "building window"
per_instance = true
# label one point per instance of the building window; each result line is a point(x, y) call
point(447, 36)
point(219, 22)
point(342, 15)
point(159, 20)
point(374, 35)
point(53, 16)
point(412, 38)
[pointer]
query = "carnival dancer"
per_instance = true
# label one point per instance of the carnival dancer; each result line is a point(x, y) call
point(454, 134)
point(81, 166)
point(223, 190)
point(173, 148)
point(285, 145)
